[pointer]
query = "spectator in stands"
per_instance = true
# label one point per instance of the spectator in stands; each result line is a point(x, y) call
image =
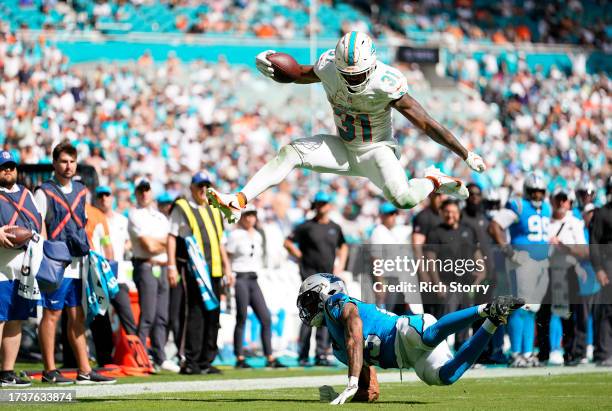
point(319, 247)
point(195, 217)
point(14, 308)
point(61, 202)
point(148, 229)
point(245, 248)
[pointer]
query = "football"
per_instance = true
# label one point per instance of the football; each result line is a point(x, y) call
point(22, 236)
point(286, 69)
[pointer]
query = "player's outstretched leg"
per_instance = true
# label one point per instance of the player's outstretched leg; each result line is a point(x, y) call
point(269, 175)
point(497, 313)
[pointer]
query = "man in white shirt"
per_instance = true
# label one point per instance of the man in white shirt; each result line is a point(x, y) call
point(17, 209)
point(148, 229)
point(569, 245)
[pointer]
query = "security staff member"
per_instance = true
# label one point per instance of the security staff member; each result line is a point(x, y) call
point(245, 247)
point(17, 208)
point(61, 202)
point(320, 242)
point(600, 231)
point(148, 230)
point(195, 217)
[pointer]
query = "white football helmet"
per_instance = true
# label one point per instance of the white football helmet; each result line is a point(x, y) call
point(355, 60)
point(533, 182)
point(314, 291)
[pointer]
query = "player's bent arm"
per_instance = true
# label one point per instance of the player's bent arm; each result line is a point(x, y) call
point(413, 111)
point(353, 336)
point(308, 75)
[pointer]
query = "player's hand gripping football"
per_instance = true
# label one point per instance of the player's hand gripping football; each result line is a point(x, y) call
point(348, 392)
point(263, 64)
point(475, 162)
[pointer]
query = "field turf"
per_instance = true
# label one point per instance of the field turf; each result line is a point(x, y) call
point(592, 391)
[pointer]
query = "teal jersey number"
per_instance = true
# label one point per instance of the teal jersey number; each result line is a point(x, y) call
point(347, 130)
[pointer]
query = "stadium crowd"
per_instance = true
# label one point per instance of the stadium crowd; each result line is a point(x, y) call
point(166, 123)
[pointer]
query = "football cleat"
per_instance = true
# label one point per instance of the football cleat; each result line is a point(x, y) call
point(228, 204)
point(518, 361)
point(500, 309)
point(445, 184)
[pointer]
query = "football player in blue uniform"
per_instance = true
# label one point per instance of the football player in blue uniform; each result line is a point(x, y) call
point(527, 220)
point(364, 335)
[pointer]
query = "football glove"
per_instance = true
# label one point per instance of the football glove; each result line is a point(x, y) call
point(348, 392)
point(475, 162)
point(263, 64)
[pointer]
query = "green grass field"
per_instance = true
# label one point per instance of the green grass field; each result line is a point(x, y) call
point(591, 391)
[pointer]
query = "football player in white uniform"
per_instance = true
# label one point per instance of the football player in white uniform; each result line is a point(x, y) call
point(361, 91)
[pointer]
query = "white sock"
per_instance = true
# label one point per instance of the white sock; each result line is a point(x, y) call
point(481, 308)
point(489, 327)
point(272, 173)
point(420, 188)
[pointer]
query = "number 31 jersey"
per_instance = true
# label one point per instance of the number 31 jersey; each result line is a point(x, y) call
point(362, 119)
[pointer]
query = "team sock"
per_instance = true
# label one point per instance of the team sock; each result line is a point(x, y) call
point(467, 355)
point(420, 188)
point(450, 324)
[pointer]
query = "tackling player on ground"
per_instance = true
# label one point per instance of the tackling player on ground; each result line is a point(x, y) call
point(363, 335)
point(361, 91)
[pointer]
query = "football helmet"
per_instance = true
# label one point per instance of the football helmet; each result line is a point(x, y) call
point(585, 192)
point(314, 291)
point(533, 184)
point(355, 59)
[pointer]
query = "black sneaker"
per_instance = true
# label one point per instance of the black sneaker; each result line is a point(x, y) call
point(55, 377)
point(211, 370)
point(275, 363)
point(10, 379)
point(242, 364)
point(500, 309)
point(93, 378)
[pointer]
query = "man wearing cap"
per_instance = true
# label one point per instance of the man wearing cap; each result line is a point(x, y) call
point(61, 202)
point(569, 246)
point(387, 233)
point(120, 242)
point(17, 208)
point(196, 218)
point(320, 247)
point(148, 230)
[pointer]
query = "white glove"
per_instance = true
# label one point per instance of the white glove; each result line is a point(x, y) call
point(263, 64)
point(348, 392)
point(475, 162)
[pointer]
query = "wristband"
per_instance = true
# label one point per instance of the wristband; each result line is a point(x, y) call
point(171, 267)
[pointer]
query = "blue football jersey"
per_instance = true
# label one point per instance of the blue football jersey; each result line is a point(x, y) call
point(378, 331)
point(531, 227)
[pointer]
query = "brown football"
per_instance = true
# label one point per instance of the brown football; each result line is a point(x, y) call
point(22, 235)
point(286, 69)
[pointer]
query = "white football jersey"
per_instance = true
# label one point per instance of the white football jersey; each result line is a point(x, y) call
point(362, 119)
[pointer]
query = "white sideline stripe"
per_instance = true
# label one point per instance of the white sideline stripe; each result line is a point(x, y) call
point(123, 390)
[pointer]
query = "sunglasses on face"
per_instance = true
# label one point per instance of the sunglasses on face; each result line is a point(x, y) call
point(102, 195)
point(8, 167)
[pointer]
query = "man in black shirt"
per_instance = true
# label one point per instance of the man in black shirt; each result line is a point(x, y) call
point(452, 240)
point(600, 233)
point(319, 242)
